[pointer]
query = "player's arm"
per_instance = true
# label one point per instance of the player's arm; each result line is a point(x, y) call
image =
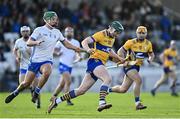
point(151, 56)
point(85, 44)
point(16, 52)
point(115, 57)
point(57, 51)
point(70, 46)
point(162, 57)
point(32, 42)
point(35, 38)
point(122, 52)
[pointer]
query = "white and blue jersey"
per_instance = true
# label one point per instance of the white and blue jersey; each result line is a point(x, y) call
point(43, 53)
point(67, 56)
point(25, 53)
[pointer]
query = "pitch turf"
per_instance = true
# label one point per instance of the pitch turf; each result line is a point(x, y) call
point(161, 106)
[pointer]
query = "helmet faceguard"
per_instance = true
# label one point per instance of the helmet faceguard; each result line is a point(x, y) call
point(25, 31)
point(141, 33)
point(51, 18)
point(115, 28)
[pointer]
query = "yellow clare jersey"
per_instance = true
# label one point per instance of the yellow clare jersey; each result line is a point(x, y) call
point(102, 45)
point(138, 50)
point(170, 57)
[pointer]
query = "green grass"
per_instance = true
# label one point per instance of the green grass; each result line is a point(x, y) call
point(161, 106)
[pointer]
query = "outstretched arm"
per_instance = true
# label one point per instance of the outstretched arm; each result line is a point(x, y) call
point(70, 46)
point(31, 42)
point(115, 57)
point(85, 44)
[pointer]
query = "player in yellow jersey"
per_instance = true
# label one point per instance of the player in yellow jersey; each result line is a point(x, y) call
point(138, 49)
point(103, 42)
point(169, 58)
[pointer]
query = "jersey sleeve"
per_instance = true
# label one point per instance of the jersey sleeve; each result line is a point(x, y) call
point(16, 45)
point(77, 44)
point(61, 37)
point(127, 45)
point(35, 34)
point(97, 37)
point(165, 53)
point(150, 48)
point(58, 45)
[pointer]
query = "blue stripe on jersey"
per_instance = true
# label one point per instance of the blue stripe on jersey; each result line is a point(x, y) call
point(34, 47)
point(33, 38)
point(170, 57)
point(92, 38)
point(103, 48)
point(141, 55)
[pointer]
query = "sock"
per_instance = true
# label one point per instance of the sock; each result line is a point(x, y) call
point(37, 90)
point(58, 100)
point(16, 92)
point(137, 100)
point(110, 90)
point(32, 89)
point(68, 96)
point(154, 89)
point(173, 89)
point(103, 93)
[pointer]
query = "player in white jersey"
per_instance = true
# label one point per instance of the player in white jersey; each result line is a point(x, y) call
point(43, 40)
point(67, 57)
point(22, 53)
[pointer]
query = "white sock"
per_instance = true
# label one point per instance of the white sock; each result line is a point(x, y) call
point(102, 102)
point(58, 100)
point(136, 103)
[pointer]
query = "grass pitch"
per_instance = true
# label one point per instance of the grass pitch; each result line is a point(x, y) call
point(161, 106)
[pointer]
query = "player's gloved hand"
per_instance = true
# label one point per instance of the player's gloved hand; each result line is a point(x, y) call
point(39, 42)
point(91, 51)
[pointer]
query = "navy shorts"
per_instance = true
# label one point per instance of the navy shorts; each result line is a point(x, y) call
point(126, 69)
point(64, 68)
point(23, 72)
point(167, 70)
point(35, 66)
point(91, 65)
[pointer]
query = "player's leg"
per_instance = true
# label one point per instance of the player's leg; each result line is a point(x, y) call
point(102, 73)
point(33, 85)
point(163, 78)
point(173, 85)
point(67, 77)
point(134, 75)
point(85, 85)
point(45, 69)
point(29, 77)
point(59, 87)
point(123, 88)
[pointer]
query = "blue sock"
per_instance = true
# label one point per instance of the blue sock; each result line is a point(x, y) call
point(110, 90)
point(68, 96)
point(137, 99)
point(103, 92)
point(16, 92)
point(37, 90)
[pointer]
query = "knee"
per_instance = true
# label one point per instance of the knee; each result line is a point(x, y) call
point(26, 84)
point(46, 74)
point(107, 80)
point(138, 82)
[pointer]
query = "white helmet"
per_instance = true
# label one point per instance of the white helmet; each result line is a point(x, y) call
point(25, 28)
